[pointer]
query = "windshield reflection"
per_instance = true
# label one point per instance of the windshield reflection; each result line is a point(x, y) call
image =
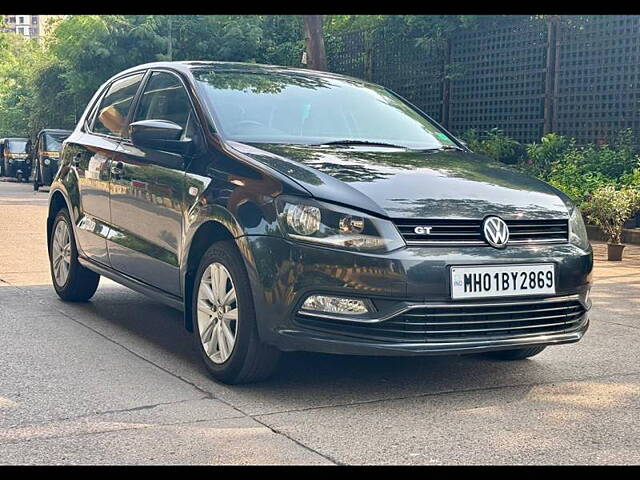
point(304, 109)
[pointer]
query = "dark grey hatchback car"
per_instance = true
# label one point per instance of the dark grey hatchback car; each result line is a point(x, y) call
point(285, 209)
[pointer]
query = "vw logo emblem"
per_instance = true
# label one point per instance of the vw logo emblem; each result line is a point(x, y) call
point(496, 232)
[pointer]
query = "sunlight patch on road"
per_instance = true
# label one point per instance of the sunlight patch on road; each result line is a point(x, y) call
point(7, 403)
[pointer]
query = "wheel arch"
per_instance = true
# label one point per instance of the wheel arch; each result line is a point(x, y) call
point(208, 232)
point(57, 201)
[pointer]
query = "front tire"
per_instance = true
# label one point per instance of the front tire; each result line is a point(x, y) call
point(72, 281)
point(224, 321)
point(516, 354)
point(36, 184)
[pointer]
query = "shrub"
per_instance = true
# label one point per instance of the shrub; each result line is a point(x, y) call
point(495, 144)
point(609, 208)
point(540, 156)
point(576, 177)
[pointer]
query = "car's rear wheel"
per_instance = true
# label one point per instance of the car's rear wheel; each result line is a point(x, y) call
point(516, 354)
point(224, 321)
point(72, 281)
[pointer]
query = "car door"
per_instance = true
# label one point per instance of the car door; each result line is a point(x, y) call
point(90, 153)
point(147, 192)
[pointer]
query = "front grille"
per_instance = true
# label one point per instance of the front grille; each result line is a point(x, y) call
point(469, 232)
point(455, 322)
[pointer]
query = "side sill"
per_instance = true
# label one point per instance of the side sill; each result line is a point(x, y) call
point(134, 284)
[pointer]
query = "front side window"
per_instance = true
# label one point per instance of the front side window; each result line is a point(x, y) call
point(115, 105)
point(270, 107)
point(165, 98)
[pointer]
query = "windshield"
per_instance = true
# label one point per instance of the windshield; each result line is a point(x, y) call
point(53, 143)
point(17, 146)
point(300, 109)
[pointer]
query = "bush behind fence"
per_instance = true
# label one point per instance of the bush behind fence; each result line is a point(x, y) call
point(578, 76)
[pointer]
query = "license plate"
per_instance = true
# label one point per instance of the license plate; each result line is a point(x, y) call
point(484, 281)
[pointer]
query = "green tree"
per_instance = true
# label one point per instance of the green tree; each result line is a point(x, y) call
point(17, 58)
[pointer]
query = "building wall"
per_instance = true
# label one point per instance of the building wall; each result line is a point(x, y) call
point(30, 26)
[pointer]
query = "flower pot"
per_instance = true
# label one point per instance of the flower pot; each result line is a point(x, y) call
point(614, 251)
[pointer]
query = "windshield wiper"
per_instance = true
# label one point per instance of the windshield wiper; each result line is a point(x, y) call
point(383, 144)
point(358, 142)
point(442, 148)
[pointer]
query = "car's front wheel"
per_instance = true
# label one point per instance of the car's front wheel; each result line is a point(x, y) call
point(517, 353)
point(36, 183)
point(224, 321)
point(72, 281)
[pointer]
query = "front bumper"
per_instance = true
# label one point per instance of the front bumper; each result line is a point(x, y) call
point(284, 273)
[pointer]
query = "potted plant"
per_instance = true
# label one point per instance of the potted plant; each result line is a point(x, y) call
point(608, 209)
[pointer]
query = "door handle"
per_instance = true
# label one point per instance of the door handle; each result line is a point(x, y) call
point(117, 169)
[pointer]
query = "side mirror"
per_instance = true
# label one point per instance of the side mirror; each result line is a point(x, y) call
point(159, 135)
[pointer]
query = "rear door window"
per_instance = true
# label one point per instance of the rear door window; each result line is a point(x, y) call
point(114, 108)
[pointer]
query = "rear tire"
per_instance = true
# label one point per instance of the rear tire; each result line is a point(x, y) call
point(516, 354)
point(224, 328)
point(71, 281)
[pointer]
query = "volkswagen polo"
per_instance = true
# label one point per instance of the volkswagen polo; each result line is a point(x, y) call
point(283, 209)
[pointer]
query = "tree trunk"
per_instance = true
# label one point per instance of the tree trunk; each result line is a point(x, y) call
point(314, 41)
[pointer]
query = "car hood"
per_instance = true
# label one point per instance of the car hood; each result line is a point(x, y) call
point(399, 183)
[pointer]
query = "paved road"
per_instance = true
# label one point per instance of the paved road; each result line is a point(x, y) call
point(116, 380)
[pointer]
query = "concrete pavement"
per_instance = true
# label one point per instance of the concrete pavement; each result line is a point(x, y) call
point(116, 380)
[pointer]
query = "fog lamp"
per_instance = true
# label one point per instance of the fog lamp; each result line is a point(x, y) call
point(341, 305)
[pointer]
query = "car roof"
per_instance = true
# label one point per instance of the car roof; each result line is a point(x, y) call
point(187, 67)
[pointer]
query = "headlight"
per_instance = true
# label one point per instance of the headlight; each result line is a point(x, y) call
point(47, 161)
point(312, 221)
point(577, 230)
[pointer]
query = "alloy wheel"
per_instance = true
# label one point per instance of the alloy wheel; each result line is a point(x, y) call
point(61, 253)
point(217, 312)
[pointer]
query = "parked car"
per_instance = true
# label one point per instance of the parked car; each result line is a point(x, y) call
point(15, 158)
point(285, 209)
point(45, 155)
